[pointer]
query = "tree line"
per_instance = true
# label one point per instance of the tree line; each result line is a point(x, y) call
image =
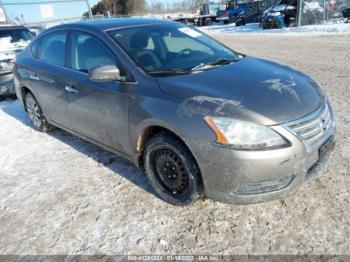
point(118, 7)
point(140, 7)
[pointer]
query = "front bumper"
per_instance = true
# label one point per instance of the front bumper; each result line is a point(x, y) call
point(245, 177)
point(6, 85)
point(223, 18)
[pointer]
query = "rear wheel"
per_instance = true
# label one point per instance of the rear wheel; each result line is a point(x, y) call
point(208, 21)
point(36, 114)
point(240, 21)
point(172, 170)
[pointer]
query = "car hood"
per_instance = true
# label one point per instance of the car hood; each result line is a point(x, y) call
point(251, 89)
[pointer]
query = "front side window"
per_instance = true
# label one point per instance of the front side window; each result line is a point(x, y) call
point(174, 47)
point(52, 48)
point(88, 52)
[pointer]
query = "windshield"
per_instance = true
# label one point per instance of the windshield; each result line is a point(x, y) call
point(167, 47)
point(213, 9)
point(16, 35)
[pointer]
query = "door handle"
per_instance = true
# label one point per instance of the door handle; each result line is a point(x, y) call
point(71, 90)
point(34, 77)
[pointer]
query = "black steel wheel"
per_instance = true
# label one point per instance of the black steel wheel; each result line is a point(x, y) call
point(172, 170)
point(35, 114)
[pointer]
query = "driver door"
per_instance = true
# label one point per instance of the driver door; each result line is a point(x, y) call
point(98, 110)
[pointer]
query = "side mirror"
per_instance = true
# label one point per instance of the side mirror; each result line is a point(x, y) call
point(106, 73)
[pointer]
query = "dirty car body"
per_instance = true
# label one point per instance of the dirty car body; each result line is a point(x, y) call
point(252, 128)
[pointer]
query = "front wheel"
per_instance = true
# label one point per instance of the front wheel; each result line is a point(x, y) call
point(172, 170)
point(36, 114)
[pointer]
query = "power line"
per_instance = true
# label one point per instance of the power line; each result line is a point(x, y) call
point(2, 4)
point(44, 2)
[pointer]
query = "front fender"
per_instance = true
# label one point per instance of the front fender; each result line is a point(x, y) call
point(167, 114)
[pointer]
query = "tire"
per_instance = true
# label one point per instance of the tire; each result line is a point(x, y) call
point(172, 170)
point(239, 22)
point(208, 22)
point(36, 114)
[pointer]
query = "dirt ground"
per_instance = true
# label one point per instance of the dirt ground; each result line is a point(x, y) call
point(61, 195)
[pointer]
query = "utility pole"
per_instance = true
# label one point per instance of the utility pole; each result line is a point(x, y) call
point(90, 12)
point(299, 11)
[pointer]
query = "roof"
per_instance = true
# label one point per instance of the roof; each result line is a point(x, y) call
point(110, 23)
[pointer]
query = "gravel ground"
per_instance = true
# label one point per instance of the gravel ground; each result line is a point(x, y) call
point(61, 195)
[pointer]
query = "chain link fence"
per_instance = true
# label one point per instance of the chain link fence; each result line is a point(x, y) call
point(322, 11)
point(43, 13)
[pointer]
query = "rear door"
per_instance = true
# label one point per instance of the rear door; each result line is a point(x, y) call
point(46, 76)
point(98, 110)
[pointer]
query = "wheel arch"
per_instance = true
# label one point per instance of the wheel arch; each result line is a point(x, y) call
point(24, 90)
point(150, 131)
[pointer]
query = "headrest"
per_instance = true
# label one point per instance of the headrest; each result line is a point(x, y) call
point(90, 46)
point(56, 45)
point(139, 40)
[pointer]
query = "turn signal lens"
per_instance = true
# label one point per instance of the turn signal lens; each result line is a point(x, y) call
point(220, 137)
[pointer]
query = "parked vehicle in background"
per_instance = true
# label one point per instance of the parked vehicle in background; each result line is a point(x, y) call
point(13, 39)
point(346, 14)
point(281, 14)
point(233, 9)
point(198, 117)
point(252, 13)
point(206, 15)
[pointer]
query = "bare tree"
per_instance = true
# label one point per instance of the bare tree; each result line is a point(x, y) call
point(157, 7)
point(137, 6)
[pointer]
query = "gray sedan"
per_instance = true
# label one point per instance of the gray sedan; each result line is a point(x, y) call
point(199, 118)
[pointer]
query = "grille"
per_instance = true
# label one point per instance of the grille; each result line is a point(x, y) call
point(313, 127)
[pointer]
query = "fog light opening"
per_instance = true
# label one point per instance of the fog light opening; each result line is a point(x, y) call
point(265, 186)
point(3, 89)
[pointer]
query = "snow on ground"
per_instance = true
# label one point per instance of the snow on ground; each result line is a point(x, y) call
point(62, 195)
point(175, 15)
point(254, 28)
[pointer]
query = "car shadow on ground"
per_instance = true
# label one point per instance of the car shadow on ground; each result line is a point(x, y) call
point(115, 163)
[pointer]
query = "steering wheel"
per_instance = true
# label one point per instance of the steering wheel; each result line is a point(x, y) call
point(182, 52)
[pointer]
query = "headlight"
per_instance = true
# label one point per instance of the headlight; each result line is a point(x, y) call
point(6, 66)
point(243, 135)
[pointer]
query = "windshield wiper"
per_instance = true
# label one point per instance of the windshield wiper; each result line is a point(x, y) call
point(174, 72)
point(220, 61)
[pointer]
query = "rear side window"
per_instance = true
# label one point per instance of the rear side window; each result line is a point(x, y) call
point(52, 48)
point(88, 52)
